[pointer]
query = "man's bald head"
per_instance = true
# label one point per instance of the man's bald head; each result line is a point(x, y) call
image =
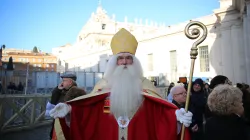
point(179, 94)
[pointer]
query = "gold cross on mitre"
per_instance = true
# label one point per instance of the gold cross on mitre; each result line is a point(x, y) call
point(124, 42)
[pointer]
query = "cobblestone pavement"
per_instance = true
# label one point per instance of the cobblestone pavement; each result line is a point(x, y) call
point(39, 133)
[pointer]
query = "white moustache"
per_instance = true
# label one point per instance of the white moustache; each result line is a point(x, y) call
point(123, 68)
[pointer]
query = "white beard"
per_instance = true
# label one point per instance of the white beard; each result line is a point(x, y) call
point(126, 88)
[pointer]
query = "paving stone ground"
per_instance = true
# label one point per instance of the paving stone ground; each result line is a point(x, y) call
point(38, 133)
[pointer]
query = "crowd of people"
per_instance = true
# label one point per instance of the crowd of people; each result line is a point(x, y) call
point(12, 88)
point(220, 110)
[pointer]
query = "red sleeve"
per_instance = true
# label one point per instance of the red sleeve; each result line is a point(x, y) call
point(88, 119)
point(165, 122)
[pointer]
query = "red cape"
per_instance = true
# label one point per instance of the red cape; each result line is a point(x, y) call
point(155, 120)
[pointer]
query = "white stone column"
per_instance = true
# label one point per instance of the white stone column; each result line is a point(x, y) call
point(248, 7)
point(238, 54)
point(246, 34)
point(226, 53)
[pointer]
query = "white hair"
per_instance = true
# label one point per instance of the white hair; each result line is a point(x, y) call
point(125, 84)
point(173, 90)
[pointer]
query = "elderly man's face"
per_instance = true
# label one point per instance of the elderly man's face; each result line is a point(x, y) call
point(124, 59)
point(66, 82)
point(180, 95)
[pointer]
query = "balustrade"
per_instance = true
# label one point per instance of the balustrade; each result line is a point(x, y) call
point(18, 112)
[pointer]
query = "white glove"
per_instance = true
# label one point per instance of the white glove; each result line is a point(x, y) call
point(184, 117)
point(60, 110)
point(49, 107)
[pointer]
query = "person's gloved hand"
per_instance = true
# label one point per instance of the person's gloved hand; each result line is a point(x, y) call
point(60, 110)
point(184, 117)
point(49, 107)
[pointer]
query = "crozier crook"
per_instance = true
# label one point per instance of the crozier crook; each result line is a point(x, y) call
point(193, 33)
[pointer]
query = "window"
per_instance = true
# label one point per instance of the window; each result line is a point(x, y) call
point(173, 61)
point(204, 58)
point(59, 62)
point(102, 43)
point(173, 65)
point(103, 26)
point(80, 38)
point(150, 62)
point(66, 66)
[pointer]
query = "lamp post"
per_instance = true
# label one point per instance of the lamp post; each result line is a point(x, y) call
point(26, 80)
point(5, 78)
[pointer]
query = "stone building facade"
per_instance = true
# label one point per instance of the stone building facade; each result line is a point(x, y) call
point(164, 50)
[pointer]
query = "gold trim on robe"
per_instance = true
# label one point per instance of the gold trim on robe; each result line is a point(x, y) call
point(58, 131)
point(101, 88)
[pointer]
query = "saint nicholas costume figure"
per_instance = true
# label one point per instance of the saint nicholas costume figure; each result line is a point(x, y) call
point(122, 106)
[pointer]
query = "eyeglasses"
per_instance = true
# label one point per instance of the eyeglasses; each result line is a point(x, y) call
point(182, 93)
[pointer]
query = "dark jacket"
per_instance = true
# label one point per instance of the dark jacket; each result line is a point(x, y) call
point(59, 96)
point(198, 105)
point(178, 105)
point(231, 127)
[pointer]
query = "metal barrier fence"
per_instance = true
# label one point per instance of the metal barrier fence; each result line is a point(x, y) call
point(22, 111)
point(44, 82)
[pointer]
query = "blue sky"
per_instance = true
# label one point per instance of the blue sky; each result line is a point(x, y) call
point(52, 23)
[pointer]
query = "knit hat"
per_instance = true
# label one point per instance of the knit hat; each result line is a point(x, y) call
point(219, 79)
point(198, 81)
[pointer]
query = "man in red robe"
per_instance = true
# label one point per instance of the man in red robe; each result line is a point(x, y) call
point(122, 106)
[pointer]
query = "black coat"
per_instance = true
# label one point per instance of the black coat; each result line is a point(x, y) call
point(231, 127)
point(197, 107)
